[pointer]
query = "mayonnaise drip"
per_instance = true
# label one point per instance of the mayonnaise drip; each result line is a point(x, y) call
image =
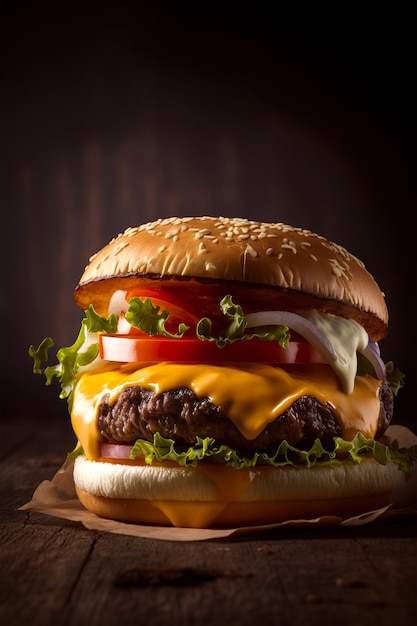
point(347, 337)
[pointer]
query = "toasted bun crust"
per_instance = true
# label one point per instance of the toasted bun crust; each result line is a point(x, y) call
point(282, 263)
point(193, 497)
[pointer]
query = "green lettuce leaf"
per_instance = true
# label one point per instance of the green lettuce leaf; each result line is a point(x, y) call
point(395, 378)
point(207, 450)
point(236, 330)
point(71, 358)
point(148, 318)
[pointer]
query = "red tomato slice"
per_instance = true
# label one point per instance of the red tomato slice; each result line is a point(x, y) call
point(144, 349)
point(180, 311)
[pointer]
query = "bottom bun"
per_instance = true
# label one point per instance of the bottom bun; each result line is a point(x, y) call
point(218, 496)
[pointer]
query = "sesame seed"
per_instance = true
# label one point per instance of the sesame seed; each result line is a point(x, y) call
point(286, 246)
point(120, 247)
point(337, 269)
point(251, 251)
point(161, 248)
point(269, 251)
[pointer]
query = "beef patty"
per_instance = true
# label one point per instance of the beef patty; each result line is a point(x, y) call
point(178, 414)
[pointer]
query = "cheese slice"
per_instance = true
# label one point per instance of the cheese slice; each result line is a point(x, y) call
point(254, 394)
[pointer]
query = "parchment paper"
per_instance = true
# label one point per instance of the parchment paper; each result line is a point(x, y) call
point(57, 498)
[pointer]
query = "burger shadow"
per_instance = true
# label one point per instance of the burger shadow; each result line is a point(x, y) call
point(393, 528)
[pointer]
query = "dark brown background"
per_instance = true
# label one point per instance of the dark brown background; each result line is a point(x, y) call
point(122, 112)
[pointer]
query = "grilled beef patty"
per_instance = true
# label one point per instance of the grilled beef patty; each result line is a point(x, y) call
point(180, 415)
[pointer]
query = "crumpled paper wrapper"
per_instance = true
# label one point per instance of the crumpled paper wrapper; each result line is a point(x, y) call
point(57, 498)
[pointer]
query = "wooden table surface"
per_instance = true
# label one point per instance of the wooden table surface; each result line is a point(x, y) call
point(56, 572)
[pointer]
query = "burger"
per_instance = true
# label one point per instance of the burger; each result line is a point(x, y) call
point(227, 373)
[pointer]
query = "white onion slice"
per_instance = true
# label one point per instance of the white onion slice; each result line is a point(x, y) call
point(123, 326)
point(117, 306)
point(372, 353)
point(300, 324)
point(118, 303)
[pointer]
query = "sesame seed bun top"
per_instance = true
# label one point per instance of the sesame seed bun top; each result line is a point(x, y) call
point(287, 267)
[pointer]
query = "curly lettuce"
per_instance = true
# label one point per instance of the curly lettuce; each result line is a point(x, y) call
point(142, 314)
point(395, 377)
point(206, 450)
point(80, 354)
point(237, 328)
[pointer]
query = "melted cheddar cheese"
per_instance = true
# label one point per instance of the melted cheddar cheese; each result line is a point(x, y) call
point(255, 394)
